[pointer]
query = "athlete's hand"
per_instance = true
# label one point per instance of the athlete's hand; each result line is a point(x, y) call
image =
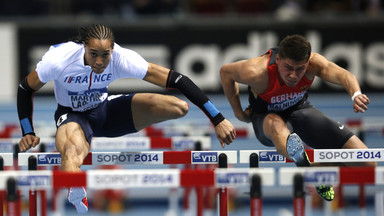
point(360, 103)
point(245, 116)
point(28, 141)
point(225, 132)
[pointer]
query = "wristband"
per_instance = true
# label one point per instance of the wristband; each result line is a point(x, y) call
point(355, 95)
point(195, 95)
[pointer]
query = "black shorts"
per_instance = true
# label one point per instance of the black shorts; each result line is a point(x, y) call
point(112, 118)
point(314, 127)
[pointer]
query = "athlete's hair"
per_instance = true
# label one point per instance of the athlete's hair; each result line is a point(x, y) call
point(96, 31)
point(295, 47)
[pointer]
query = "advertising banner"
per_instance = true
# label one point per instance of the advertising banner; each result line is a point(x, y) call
point(199, 51)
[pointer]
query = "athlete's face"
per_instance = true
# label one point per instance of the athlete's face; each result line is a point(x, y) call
point(98, 54)
point(290, 71)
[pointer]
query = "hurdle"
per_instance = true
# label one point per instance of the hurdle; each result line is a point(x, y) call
point(123, 143)
point(146, 178)
point(337, 176)
point(6, 159)
point(319, 155)
point(195, 129)
point(221, 177)
point(133, 158)
point(328, 156)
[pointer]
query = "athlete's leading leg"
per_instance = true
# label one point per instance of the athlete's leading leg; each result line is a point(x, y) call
point(73, 147)
point(148, 109)
point(277, 131)
point(291, 146)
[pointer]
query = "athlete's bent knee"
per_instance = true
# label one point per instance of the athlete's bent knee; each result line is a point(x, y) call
point(182, 108)
point(71, 153)
point(274, 123)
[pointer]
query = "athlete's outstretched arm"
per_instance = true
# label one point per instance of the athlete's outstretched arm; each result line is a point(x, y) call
point(25, 92)
point(171, 79)
point(333, 73)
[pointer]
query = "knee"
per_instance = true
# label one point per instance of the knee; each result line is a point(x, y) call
point(70, 153)
point(73, 154)
point(181, 107)
point(274, 123)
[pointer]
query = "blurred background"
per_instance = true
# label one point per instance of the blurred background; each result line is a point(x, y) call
point(196, 37)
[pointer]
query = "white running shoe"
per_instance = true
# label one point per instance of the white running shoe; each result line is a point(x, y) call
point(78, 197)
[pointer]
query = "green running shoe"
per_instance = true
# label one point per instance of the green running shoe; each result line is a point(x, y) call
point(326, 192)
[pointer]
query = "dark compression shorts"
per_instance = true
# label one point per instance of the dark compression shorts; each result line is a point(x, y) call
point(314, 127)
point(112, 118)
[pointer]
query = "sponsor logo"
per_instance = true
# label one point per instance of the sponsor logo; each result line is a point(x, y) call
point(232, 178)
point(49, 159)
point(321, 177)
point(42, 180)
point(271, 156)
point(341, 126)
point(178, 78)
point(61, 119)
point(204, 157)
point(6, 146)
point(184, 144)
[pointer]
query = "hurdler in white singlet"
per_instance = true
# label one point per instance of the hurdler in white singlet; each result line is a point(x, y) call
point(75, 84)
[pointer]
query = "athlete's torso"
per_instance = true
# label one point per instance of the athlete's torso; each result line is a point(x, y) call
point(75, 84)
point(278, 97)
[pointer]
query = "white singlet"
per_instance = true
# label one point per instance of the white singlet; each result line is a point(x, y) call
point(75, 84)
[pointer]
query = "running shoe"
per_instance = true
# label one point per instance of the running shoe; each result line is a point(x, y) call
point(296, 151)
point(78, 197)
point(298, 154)
point(326, 192)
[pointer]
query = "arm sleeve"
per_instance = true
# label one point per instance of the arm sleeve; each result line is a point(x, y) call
point(25, 107)
point(178, 81)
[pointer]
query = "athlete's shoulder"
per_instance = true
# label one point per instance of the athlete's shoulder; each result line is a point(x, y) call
point(58, 57)
point(258, 64)
point(122, 51)
point(123, 56)
point(62, 51)
point(317, 63)
point(66, 47)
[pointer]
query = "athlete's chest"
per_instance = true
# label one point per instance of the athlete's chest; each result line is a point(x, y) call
point(85, 79)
